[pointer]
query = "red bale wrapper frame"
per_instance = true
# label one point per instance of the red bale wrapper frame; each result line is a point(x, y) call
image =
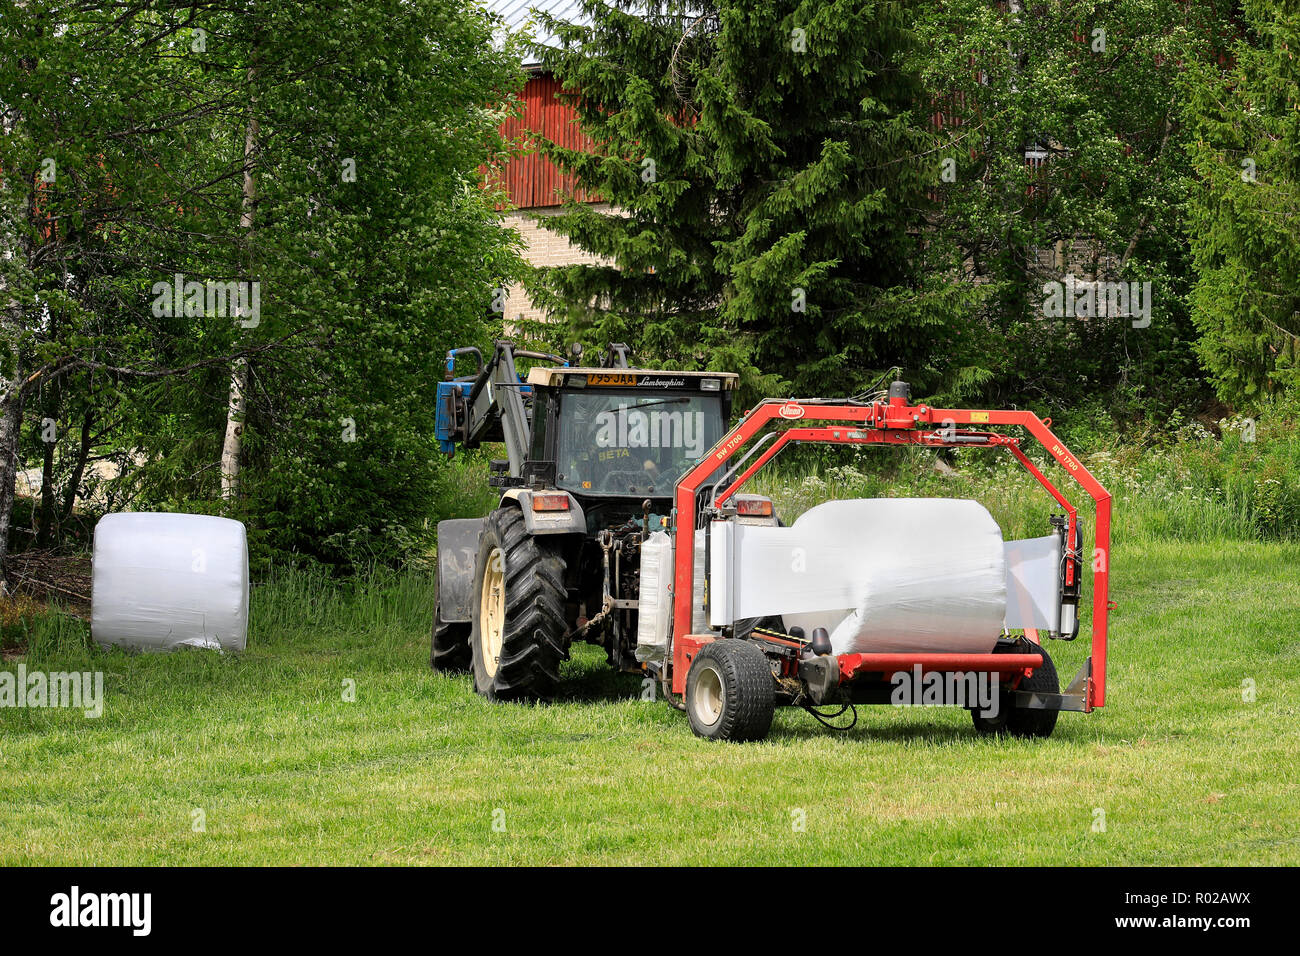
point(894, 422)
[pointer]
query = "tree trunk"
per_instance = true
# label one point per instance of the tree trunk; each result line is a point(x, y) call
point(234, 430)
point(48, 517)
point(45, 522)
point(78, 469)
point(16, 244)
point(11, 423)
point(236, 405)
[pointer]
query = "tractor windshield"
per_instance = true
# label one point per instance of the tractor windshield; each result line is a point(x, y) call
point(620, 443)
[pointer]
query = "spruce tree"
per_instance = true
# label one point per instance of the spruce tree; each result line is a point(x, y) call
point(1243, 221)
point(767, 176)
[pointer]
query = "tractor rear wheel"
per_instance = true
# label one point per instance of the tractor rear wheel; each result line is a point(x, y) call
point(730, 692)
point(518, 627)
point(449, 645)
point(1024, 721)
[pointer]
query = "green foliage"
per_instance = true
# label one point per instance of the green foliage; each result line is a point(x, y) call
point(1242, 221)
point(373, 277)
point(1254, 469)
point(1090, 89)
point(762, 216)
point(371, 240)
point(776, 230)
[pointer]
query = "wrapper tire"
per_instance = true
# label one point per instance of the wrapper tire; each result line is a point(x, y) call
point(730, 692)
point(1023, 721)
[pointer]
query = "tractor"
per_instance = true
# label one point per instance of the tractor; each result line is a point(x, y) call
point(593, 458)
point(621, 522)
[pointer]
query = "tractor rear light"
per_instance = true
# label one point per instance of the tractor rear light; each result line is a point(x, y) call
point(550, 502)
point(754, 507)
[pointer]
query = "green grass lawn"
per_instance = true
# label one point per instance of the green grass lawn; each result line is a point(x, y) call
point(418, 769)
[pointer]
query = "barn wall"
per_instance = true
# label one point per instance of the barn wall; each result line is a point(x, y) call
point(531, 179)
point(536, 185)
point(544, 248)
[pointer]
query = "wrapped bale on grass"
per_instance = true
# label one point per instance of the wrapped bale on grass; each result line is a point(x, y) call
point(170, 580)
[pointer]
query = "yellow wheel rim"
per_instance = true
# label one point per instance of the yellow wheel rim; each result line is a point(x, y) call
point(709, 697)
point(492, 611)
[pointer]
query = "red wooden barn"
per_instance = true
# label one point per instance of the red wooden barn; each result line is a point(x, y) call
point(534, 185)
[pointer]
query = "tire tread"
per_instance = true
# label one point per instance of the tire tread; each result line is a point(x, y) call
point(1022, 721)
point(749, 690)
point(532, 645)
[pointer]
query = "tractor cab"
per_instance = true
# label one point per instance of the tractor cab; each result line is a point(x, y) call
point(610, 436)
point(625, 433)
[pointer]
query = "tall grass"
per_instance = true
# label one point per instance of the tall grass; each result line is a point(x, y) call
point(1176, 482)
point(1191, 487)
point(382, 604)
point(52, 634)
point(302, 607)
point(464, 490)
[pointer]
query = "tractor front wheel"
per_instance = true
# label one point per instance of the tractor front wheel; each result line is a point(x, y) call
point(518, 627)
point(730, 692)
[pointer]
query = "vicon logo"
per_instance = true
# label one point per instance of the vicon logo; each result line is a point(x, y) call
point(790, 410)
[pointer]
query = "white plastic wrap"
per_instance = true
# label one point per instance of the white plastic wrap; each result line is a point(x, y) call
point(699, 617)
point(1034, 582)
point(887, 574)
point(897, 574)
point(654, 605)
point(935, 581)
point(169, 580)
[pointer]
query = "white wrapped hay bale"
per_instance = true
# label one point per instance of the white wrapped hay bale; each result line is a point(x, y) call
point(170, 580)
point(655, 603)
point(934, 578)
point(881, 574)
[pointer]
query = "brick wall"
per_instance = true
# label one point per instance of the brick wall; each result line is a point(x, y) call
point(541, 248)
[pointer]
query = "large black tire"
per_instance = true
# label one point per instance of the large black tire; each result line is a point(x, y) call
point(730, 692)
point(518, 648)
point(449, 646)
point(1024, 721)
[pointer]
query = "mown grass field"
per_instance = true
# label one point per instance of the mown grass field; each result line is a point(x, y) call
point(418, 769)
